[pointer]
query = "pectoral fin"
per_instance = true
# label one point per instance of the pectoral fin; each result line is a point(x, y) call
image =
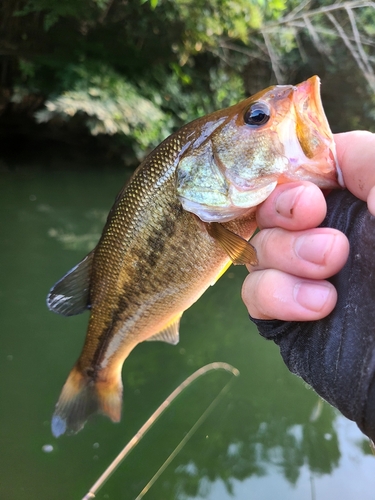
point(238, 249)
point(170, 333)
point(70, 295)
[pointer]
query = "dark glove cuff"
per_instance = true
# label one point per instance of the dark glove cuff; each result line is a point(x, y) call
point(336, 355)
point(270, 329)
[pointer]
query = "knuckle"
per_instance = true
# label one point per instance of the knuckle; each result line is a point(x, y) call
point(271, 244)
point(255, 294)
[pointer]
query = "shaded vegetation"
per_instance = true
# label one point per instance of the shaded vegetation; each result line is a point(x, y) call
point(117, 76)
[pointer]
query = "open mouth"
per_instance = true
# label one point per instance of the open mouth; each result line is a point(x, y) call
point(308, 96)
point(313, 130)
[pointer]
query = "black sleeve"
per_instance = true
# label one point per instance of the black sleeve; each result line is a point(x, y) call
point(336, 355)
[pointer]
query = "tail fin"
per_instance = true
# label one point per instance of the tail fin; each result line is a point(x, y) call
point(83, 396)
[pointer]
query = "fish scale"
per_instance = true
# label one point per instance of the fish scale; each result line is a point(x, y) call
point(160, 250)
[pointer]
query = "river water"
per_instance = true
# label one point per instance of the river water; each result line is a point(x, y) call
point(268, 437)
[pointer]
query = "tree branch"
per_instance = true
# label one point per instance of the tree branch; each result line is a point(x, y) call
point(276, 66)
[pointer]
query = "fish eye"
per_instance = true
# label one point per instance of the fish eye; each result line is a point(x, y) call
point(258, 114)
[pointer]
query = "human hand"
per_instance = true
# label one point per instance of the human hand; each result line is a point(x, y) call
point(295, 257)
point(335, 354)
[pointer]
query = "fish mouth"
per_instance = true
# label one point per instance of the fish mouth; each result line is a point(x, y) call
point(314, 134)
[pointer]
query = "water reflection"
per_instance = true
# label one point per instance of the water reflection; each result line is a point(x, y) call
point(270, 437)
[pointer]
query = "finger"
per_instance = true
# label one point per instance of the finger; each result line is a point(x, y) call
point(356, 157)
point(272, 294)
point(316, 253)
point(290, 206)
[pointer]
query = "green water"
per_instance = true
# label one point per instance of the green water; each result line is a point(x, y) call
point(269, 437)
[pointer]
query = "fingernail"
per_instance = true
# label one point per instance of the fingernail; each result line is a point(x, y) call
point(311, 296)
point(314, 247)
point(287, 199)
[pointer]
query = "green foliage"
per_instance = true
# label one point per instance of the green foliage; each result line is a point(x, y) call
point(111, 105)
point(206, 23)
point(124, 74)
point(138, 70)
point(185, 98)
point(55, 9)
point(27, 69)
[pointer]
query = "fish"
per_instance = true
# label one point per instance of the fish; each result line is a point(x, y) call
point(186, 214)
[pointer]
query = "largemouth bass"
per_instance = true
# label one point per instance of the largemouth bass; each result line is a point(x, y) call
point(185, 215)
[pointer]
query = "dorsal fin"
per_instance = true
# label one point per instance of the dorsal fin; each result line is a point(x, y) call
point(170, 333)
point(70, 295)
point(237, 248)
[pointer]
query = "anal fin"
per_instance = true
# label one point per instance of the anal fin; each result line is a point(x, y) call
point(169, 333)
point(237, 248)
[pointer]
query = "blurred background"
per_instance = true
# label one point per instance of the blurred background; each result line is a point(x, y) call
point(87, 89)
point(109, 79)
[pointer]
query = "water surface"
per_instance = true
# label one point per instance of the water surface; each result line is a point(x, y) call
point(269, 437)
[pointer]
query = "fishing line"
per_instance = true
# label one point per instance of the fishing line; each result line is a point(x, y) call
point(184, 440)
point(157, 413)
